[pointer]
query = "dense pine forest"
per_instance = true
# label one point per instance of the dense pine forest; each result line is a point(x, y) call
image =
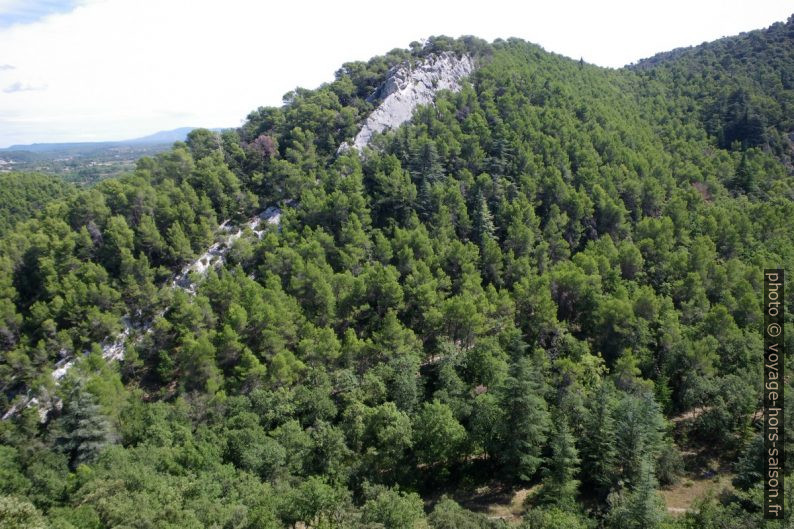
point(545, 286)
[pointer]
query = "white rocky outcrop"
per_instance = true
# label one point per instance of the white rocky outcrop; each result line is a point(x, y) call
point(405, 88)
point(113, 347)
point(408, 87)
point(215, 255)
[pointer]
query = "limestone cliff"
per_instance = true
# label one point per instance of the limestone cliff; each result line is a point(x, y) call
point(407, 87)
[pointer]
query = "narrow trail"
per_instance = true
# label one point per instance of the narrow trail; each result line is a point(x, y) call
point(690, 415)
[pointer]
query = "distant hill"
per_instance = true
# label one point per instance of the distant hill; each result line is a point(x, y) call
point(90, 161)
point(163, 136)
point(168, 136)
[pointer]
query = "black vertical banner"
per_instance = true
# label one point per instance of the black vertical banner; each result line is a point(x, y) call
point(774, 456)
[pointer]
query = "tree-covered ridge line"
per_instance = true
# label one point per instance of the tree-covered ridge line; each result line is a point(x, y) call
point(112, 347)
point(741, 87)
point(404, 87)
point(577, 255)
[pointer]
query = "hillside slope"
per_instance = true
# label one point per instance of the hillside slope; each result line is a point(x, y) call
point(22, 194)
point(513, 290)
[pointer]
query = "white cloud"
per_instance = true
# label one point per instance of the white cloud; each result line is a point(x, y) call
point(23, 87)
point(123, 68)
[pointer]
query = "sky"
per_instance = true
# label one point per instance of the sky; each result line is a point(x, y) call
point(91, 70)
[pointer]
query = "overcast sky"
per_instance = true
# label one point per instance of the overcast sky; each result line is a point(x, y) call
point(85, 70)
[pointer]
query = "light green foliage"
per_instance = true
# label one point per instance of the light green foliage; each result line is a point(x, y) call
point(394, 509)
point(449, 515)
point(24, 194)
point(16, 513)
point(554, 518)
point(439, 437)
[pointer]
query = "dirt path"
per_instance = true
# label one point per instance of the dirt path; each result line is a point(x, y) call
point(680, 497)
point(496, 504)
point(690, 415)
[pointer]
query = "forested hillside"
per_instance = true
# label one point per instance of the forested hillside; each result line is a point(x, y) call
point(23, 194)
point(519, 289)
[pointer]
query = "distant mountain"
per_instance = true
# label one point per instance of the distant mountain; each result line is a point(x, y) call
point(164, 136)
point(161, 137)
point(87, 162)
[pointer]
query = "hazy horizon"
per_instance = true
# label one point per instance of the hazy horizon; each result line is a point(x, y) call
point(104, 70)
point(116, 140)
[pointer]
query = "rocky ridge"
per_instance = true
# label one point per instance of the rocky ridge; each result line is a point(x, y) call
point(408, 87)
point(405, 88)
point(113, 347)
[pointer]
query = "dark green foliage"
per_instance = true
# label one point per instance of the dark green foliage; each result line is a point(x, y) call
point(22, 195)
point(559, 483)
point(526, 420)
point(599, 455)
point(642, 506)
point(743, 86)
point(85, 431)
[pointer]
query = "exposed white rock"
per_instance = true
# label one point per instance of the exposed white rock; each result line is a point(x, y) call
point(215, 255)
point(61, 368)
point(113, 347)
point(14, 409)
point(407, 87)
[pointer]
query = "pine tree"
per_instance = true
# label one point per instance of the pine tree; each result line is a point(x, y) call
point(85, 429)
point(559, 485)
point(642, 507)
point(179, 244)
point(599, 456)
point(554, 232)
point(744, 180)
point(116, 238)
point(483, 221)
point(149, 239)
point(527, 420)
point(639, 429)
point(424, 200)
point(425, 162)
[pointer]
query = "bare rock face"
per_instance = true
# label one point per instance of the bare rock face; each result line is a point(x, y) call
point(407, 87)
point(215, 255)
point(113, 346)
